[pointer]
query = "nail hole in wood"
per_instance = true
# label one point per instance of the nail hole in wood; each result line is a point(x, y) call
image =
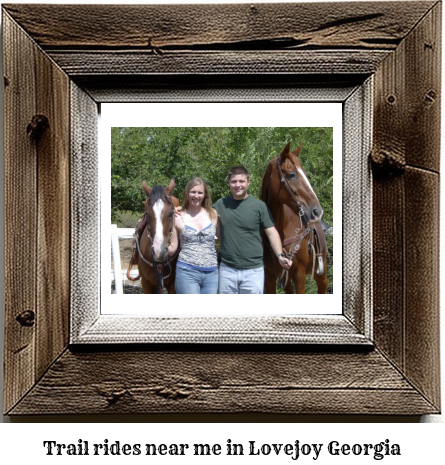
point(430, 97)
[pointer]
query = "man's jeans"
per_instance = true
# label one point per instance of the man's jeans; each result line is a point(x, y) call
point(233, 281)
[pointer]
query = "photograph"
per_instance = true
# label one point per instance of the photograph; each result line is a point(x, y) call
point(201, 157)
point(269, 232)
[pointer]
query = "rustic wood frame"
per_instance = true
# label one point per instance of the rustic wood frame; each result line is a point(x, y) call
point(90, 323)
point(76, 56)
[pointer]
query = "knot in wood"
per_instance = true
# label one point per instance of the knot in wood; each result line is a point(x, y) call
point(37, 126)
point(172, 393)
point(388, 162)
point(26, 318)
point(114, 397)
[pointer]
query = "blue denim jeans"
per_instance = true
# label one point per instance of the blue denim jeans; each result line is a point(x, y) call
point(233, 281)
point(190, 281)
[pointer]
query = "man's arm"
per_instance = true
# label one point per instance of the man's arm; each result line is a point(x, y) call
point(275, 242)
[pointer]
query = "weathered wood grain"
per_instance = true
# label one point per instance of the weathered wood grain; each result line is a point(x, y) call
point(349, 25)
point(357, 209)
point(20, 214)
point(388, 267)
point(53, 208)
point(406, 134)
point(219, 381)
point(423, 49)
point(37, 211)
point(334, 329)
point(422, 364)
point(218, 87)
point(217, 62)
point(406, 270)
point(85, 211)
point(407, 109)
point(389, 158)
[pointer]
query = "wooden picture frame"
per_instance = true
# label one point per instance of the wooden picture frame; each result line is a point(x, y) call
point(263, 321)
point(76, 56)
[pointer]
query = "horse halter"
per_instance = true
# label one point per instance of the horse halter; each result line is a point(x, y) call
point(302, 214)
point(149, 232)
point(158, 267)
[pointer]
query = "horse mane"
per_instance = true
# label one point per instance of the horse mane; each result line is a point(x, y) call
point(158, 192)
point(266, 181)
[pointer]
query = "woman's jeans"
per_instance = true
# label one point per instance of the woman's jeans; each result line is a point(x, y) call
point(190, 281)
point(233, 281)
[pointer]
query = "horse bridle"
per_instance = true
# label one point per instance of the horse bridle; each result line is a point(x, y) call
point(300, 233)
point(302, 214)
point(157, 267)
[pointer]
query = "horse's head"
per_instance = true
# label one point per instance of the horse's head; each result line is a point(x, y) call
point(160, 214)
point(290, 186)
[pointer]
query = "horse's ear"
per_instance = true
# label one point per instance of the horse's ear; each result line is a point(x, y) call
point(285, 153)
point(171, 187)
point(296, 152)
point(147, 189)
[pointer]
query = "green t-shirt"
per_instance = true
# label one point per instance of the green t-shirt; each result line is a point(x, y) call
point(242, 222)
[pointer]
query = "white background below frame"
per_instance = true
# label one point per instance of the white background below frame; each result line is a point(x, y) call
point(219, 115)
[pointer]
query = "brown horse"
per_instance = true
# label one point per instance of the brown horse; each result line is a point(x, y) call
point(152, 240)
point(297, 214)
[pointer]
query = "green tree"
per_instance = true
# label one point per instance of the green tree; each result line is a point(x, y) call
point(157, 154)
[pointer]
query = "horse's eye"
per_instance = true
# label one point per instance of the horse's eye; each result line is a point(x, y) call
point(291, 175)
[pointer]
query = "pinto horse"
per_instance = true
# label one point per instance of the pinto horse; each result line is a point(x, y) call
point(297, 214)
point(152, 240)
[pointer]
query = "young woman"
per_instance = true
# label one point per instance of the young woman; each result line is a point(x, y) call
point(196, 225)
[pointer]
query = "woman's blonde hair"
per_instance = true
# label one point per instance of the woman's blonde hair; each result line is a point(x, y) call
point(206, 203)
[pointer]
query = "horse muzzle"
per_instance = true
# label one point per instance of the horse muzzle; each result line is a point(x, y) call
point(316, 212)
point(160, 255)
point(312, 214)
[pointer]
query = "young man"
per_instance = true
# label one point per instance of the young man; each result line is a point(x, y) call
point(242, 219)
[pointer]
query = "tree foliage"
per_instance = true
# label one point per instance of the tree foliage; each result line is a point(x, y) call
point(157, 154)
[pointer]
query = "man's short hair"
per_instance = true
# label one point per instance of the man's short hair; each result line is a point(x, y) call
point(238, 170)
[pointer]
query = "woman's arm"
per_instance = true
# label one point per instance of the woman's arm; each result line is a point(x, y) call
point(173, 247)
point(179, 222)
